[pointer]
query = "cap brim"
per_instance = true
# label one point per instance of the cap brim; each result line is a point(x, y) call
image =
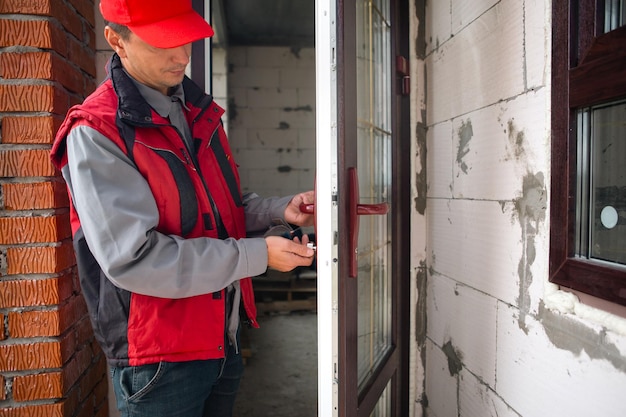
point(176, 31)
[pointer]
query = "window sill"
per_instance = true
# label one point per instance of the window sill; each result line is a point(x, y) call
point(609, 315)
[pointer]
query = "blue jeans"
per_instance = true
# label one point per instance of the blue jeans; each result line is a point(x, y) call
point(205, 388)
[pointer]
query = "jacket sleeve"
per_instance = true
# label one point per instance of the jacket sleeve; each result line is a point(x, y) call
point(261, 213)
point(118, 215)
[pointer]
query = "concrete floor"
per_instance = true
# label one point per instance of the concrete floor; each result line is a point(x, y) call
point(280, 378)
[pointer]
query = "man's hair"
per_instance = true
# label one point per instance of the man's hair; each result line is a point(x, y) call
point(121, 30)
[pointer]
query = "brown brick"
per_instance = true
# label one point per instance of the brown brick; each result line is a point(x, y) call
point(40, 260)
point(71, 403)
point(42, 34)
point(83, 56)
point(87, 409)
point(82, 326)
point(41, 292)
point(91, 35)
point(44, 410)
point(26, 163)
point(34, 229)
point(68, 75)
point(90, 86)
point(69, 345)
point(54, 8)
point(42, 65)
point(32, 98)
point(72, 280)
point(20, 357)
point(102, 389)
point(76, 367)
point(37, 129)
point(34, 323)
point(70, 20)
point(74, 313)
point(38, 386)
point(81, 365)
point(83, 330)
point(71, 314)
point(26, 65)
point(35, 196)
point(36, 7)
point(103, 411)
point(86, 9)
point(91, 380)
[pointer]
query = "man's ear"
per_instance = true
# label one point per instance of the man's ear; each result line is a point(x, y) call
point(115, 41)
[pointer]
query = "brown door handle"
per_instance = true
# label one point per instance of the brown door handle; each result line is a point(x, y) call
point(369, 209)
point(362, 209)
point(355, 210)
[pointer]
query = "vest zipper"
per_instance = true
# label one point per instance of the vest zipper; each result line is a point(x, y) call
point(187, 158)
point(221, 229)
point(190, 159)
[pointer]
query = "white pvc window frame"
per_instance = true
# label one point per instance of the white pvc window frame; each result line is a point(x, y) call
point(326, 206)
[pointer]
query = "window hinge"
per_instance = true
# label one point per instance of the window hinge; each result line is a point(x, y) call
point(402, 69)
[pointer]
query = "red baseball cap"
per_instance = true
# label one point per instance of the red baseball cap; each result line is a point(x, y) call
point(160, 23)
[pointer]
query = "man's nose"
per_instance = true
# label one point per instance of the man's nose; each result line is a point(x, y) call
point(182, 54)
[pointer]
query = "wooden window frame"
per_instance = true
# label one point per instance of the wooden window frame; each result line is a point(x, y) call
point(588, 68)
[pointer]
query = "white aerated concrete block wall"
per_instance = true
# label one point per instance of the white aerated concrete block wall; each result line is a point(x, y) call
point(497, 341)
point(219, 81)
point(272, 118)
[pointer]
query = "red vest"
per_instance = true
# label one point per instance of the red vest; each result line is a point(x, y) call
point(197, 195)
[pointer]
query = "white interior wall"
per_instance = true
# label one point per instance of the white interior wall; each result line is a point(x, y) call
point(500, 339)
point(272, 118)
point(419, 169)
point(219, 82)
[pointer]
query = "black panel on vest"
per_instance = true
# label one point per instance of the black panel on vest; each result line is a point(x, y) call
point(226, 168)
point(186, 191)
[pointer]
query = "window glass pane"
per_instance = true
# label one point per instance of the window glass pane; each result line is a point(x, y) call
point(383, 406)
point(374, 163)
point(614, 14)
point(602, 203)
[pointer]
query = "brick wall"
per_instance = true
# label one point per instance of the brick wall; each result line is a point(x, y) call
point(50, 364)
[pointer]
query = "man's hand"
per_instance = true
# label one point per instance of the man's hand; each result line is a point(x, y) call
point(284, 254)
point(293, 214)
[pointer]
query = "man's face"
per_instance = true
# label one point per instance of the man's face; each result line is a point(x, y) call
point(155, 67)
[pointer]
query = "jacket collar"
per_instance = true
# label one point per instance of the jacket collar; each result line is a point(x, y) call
point(133, 107)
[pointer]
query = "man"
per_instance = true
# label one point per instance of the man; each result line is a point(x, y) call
point(159, 222)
